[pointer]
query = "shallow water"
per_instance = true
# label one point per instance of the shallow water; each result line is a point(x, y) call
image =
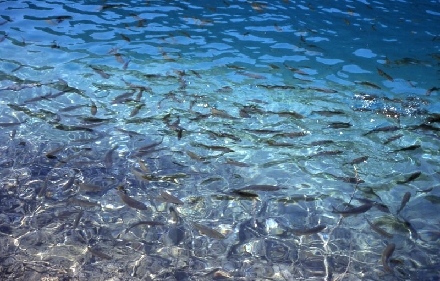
point(102, 100)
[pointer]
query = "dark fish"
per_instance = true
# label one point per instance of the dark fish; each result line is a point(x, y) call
point(108, 159)
point(410, 178)
point(9, 124)
point(244, 193)
point(323, 90)
point(353, 211)
point(150, 223)
point(369, 84)
point(166, 197)
point(100, 72)
point(99, 254)
point(236, 163)
point(358, 160)
point(136, 109)
point(289, 114)
point(386, 254)
point(167, 178)
point(383, 129)
point(379, 230)
point(321, 142)
point(308, 231)
point(63, 127)
point(326, 153)
point(133, 203)
point(408, 148)
point(83, 203)
point(339, 125)
point(93, 108)
point(328, 113)
point(405, 200)
point(292, 134)
point(68, 184)
point(251, 75)
point(393, 138)
point(149, 146)
point(77, 219)
point(208, 231)
point(282, 144)
point(429, 91)
point(126, 38)
point(263, 131)
point(222, 114)
point(382, 73)
point(411, 229)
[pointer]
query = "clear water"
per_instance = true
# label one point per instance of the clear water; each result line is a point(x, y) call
point(235, 93)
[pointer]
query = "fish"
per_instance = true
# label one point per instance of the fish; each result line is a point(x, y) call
point(166, 197)
point(125, 66)
point(77, 219)
point(150, 223)
point(208, 231)
point(213, 147)
point(280, 144)
point(408, 148)
point(292, 134)
point(323, 90)
point(3, 38)
point(405, 200)
point(429, 91)
point(195, 156)
point(99, 254)
point(379, 230)
point(393, 138)
point(412, 177)
point(236, 163)
point(68, 184)
point(326, 153)
point(108, 159)
point(386, 254)
point(369, 84)
point(411, 229)
point(136, 109)
point(93, 108)
point(383, 129)
point(244, 193)
point(126, 38)
point(148, 147)
point(133, 203)
point(321, 142)
point(289, 114)
point(167, 178)
point(18, 87)
point(83, 203)
point(353, 211)
point(308, 231)
point(339, 125)
point(100, 72)
point(358, 160)
point(382, 73)
point(251, 75)
point(222, 114)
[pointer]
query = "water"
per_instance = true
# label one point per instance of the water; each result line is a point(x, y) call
point(222, 95)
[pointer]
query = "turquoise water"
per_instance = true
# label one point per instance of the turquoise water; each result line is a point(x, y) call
point(268, 123)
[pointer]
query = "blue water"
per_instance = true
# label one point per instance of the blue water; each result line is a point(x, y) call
point(221, 95)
